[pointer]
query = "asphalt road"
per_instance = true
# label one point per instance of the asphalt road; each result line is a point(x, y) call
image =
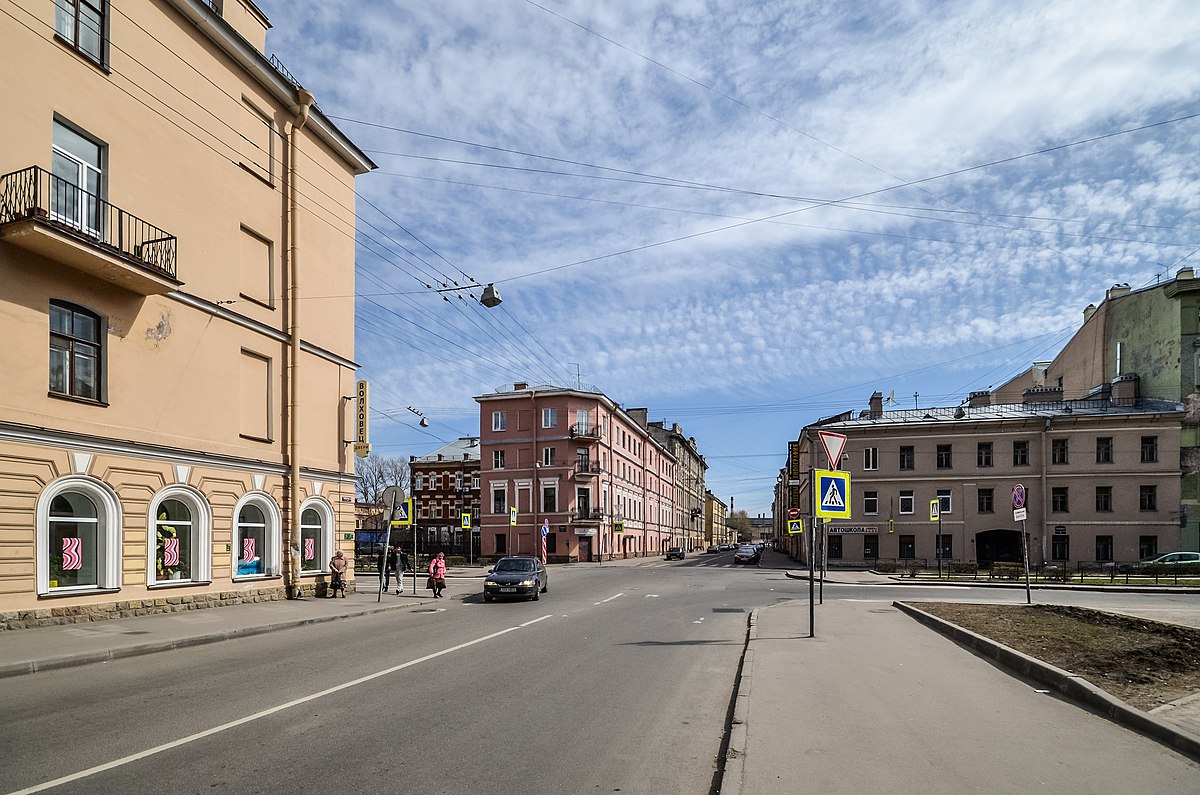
point(618, 679)
point(621, 678)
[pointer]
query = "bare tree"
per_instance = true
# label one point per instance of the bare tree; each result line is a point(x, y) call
point(739, 521)
point(376, 473)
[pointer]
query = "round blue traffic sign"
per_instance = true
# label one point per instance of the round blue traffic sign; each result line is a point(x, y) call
point(1018, 497)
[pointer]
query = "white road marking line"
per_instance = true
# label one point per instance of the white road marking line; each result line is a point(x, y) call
point(158, 749)
point(609, 599)
point(651, 596)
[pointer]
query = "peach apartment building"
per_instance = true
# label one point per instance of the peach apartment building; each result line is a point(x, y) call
point(175, 407)
point(574, 464)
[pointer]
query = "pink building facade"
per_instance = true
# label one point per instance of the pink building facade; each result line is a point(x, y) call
point(575, 465)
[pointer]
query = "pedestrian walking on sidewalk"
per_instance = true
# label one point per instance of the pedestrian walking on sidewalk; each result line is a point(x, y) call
point(337, 574)
point(390, 558)
point(401, 567)
point(437, 575)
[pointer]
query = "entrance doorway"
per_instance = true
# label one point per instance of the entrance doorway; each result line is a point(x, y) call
point(998, 546)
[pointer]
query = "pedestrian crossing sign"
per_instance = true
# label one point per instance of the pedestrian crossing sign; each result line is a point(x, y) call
point(403, 513)
point(512, 517)
point(465, 520)
point(795, 526)
point(618, 527)
point(832, 494)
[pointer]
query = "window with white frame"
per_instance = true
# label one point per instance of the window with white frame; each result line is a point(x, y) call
point(549, 418)
point(499, 499)
point(475, 482)
point(497, 459)
point(77, 185)
point(906, 502)
point(871, 458)
point(182, 522)
point(316, 536)
point(499, 420)
point(944, 503)
point(549, 498)
point(256, 537)
point(78, 537)
point(870, 502)
point(419, 483)
point(547, 456)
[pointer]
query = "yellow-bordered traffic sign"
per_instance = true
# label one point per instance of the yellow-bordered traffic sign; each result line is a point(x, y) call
point(795, 526)
point(404, 513)
point(465, 521)
point(832, 494)
point(618, 527)
point(935, 510)
point(512, 517)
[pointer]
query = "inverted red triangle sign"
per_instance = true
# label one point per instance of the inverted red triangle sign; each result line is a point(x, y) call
point(833, 443)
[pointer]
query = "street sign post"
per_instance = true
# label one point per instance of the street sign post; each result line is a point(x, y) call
point(833, 443)
point(1019, 496)
point(795, 526)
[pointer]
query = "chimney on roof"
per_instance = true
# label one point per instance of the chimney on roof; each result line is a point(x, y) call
point(517, 387)
point(1088, 311)
point(1117, 290)
point(876, 405)
point(440, 456)
point(1126, 389)
point(981, 398)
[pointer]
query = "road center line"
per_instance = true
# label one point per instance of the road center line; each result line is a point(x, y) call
point(609, 599)
point(191, 738)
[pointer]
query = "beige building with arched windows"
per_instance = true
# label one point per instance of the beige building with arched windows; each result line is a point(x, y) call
point(172, 422)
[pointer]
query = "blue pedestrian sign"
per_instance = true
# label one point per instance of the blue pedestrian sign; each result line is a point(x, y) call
point(832, 493)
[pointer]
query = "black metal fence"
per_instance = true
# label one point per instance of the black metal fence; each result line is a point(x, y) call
point(36, 194)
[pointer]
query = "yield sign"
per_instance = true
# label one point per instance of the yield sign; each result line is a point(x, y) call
point(833, 443)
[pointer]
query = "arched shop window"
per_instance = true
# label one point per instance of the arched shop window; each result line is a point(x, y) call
point(256, 537)
point(316, 536)
point(180, 544)
point(78, 539)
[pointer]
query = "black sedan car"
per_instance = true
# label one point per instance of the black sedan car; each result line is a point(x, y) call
point(675, 553)
point(746, 553)
point(516, 576)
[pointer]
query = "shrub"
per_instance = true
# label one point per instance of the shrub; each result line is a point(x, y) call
point(1007, 571)
point(885, 566)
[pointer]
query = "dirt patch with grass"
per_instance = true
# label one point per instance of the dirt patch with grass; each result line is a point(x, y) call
point(1144, 663)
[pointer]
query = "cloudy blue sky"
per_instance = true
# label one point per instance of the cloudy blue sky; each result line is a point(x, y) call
point(746, 215)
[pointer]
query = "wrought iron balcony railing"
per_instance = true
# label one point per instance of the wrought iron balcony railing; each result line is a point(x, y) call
point(585, 430)
point(38, 195)
point(587, 468)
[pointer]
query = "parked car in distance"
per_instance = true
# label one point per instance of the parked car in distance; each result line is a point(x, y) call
point(1166, 559)
point(516, 576)
point(746, 553)
point(728, 547)
point(714, 549)
point(675, 553)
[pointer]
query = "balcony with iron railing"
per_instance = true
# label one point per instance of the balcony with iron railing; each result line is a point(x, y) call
point(585, 430)
point(587, 469)
point(59, 220)
point(587, 516)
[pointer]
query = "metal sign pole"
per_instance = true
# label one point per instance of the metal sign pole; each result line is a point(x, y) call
point(1025, 557)
point(387, 543)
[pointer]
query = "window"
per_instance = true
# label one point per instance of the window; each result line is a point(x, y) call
point(908, 547)
point(255, 393)
point(419, 483)
point(871, 458)
point(834, 547)
point(1148, 498)
point(1058, 499)
point(78, 537)
point(871, 546)
point(475, 483)
point(945, 453)
point(547, 456)
point(256, 268)
point(1104, 450)
point(84, 25)
point(258, 142)
point(1147, 546)
point(1104, 503)
point(1149, 449)
point(1104, 547)
point(549, 418)
point(985, 501)
point(906, 502)
point(1058, 451)
point(497, 459)
point(1060, 547)
point(583, 501)
point(944, 503)
point(256, 537)
point(870, 502)
point(945, 546)
point(458, 482)
point(439, 512)
point(549, 498)
point(75, 352)
point(182, 523)
point(499, 499)
point(77, 186)
point(499, 420)
point(316, 536)
point(983, 454)
point(906, 457)
point(1021, 454)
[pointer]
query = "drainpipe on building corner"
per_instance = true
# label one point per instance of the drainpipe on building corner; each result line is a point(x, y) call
point(292, 543)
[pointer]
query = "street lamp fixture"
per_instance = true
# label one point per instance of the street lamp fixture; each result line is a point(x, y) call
point(490, 297)
point(424, 423)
